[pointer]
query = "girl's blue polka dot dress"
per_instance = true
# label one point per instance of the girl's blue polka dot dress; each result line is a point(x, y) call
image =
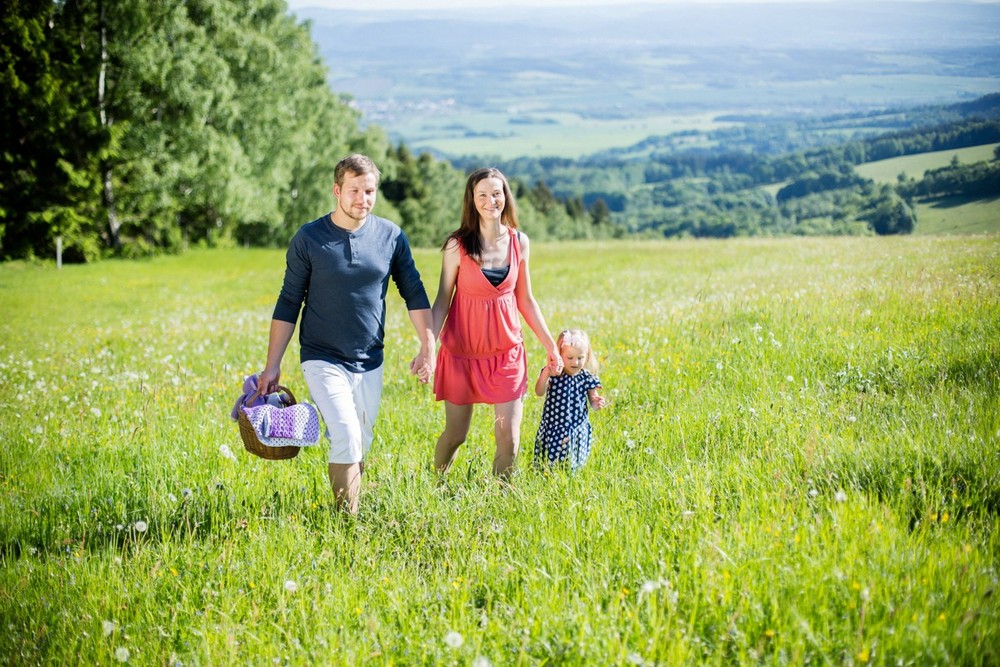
point(564, 434)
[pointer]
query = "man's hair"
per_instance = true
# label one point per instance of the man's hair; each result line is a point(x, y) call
point(356, 165)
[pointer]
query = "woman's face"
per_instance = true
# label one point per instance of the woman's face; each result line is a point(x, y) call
point(489, 199)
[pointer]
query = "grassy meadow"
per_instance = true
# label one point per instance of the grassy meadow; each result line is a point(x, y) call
point(800, 464)
point(914, 166)
point(942, 215)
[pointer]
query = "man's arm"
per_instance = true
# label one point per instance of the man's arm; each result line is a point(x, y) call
point(423, 364)
point(277, 343)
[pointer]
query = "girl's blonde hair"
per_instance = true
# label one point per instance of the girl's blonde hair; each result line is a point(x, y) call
point(578, 338)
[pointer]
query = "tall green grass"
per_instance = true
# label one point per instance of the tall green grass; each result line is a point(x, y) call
point(800, 465)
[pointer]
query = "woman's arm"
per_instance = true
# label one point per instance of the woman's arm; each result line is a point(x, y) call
point(531, 313)
point(450, 259)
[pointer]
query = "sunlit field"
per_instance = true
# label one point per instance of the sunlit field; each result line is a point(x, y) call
point(914, 166)
point(800, 464)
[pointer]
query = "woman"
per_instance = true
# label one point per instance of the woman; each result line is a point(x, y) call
point(484, 285)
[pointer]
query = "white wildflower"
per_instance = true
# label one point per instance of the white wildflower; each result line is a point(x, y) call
point(481, 661)
point(122, 654)
point(108, 627)
point(226, 452)
point(291, 586)
point(453, 639)
point(840, 496)
point(140, 526)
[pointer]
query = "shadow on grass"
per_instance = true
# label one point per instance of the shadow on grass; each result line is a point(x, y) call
point(924, 487)
point(63, 525)
point(949, 202)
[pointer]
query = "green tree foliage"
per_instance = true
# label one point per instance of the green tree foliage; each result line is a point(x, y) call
point(147, 126)
point(427, 194)
point(888, 213)
point(51, 137)
point(980, 179)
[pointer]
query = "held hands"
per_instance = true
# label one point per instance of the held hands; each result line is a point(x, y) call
point(423, 366)
point(555, 364)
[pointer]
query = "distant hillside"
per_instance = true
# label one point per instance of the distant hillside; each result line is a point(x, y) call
point(536, 82)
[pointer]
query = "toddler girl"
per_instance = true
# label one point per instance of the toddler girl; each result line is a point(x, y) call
point(564, 433)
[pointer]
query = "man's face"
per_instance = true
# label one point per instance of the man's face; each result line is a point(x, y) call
point(356, 196)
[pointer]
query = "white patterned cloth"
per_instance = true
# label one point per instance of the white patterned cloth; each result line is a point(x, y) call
point(293, 426)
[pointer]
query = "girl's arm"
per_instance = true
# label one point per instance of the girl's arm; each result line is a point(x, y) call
point(532, 314)
point(596, 400)
point(450, 259)
point(542, 384)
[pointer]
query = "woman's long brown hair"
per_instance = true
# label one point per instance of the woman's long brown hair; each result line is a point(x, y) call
point(468, 232)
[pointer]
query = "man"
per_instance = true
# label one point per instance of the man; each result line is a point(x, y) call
point(339, 266)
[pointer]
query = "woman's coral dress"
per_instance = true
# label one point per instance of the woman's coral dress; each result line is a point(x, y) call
point(481, 358)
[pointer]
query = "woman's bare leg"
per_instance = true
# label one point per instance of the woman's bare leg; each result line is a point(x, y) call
point(507, 431)
point(457, 420)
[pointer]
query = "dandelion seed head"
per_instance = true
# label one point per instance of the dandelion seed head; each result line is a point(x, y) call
point(813, 493)
point(108, 627)
point(453, 639)
point(481, 661)
point(291, 586)
point(635, 659)
point(140, 526)
point(840, 496)
point(122, 654)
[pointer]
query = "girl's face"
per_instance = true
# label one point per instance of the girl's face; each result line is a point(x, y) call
point(574, 359)
point(490, 199)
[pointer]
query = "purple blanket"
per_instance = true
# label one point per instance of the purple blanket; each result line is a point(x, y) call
point(250, 389)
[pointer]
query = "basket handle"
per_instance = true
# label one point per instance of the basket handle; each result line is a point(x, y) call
point(281, 388)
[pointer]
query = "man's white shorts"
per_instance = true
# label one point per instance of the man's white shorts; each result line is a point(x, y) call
point(349, 404)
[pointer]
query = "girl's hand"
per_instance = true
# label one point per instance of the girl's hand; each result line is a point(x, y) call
point(597, 401)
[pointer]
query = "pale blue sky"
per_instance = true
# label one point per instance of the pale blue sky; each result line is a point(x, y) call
point(355, 6)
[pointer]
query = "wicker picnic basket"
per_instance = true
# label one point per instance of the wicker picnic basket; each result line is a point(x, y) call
point(253, 443)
